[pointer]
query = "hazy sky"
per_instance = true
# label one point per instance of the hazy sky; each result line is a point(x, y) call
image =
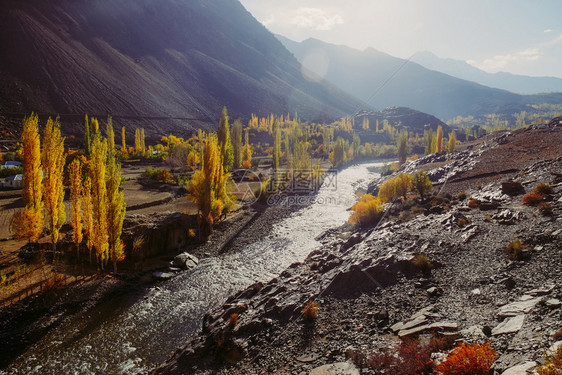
point(517, 36)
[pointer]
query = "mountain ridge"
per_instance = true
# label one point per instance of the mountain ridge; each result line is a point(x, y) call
point(384, 81)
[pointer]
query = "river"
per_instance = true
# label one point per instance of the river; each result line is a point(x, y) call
point(133, 333)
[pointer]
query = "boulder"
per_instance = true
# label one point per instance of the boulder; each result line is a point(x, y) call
point(340, 368)
point(512, 188)
point(509, 325)
point(185, 261)
point(524, 306)
point(521, 369)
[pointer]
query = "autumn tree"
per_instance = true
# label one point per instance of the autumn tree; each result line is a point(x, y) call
point(53, 165)
point(247, 150)
point(402, 146)
point(140, 148)
point(76, 203)
point(87, 138)
point(428, 141)
point(365, 124)
point(115, 201)
point(237, 143)
point(28, 224)
point(98, 166)
point(123, 140)
point(439, 140)
point(452, 142)
point(88, 215)
point(276, 144)
point(421, 183)
point(225, 144)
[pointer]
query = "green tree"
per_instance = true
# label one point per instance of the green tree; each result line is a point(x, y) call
point(428, 141)
point(225, 143)
point(421, 183)
point(402, 146)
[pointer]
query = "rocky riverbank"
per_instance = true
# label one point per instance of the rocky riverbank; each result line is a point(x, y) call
point(438, 272)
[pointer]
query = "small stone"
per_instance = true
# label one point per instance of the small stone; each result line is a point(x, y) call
point(553, 303)
point(476, 292)
point(307, 358)
point(435, 291)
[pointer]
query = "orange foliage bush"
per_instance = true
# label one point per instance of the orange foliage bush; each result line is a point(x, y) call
point(310, 310)
point(544, 189)
point(473, 203)
point(552, 365)
point(366, 211)
point(246, 164)
point(534, 198)
point(475, 359)
point(233, 320)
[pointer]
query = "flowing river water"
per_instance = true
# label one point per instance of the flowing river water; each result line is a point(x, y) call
point(132, 333)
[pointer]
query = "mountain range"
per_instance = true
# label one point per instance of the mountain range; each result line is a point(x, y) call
point(165, 65)
point(382, 80)
point(501, 80)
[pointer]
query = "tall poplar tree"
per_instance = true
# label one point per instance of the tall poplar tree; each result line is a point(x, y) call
point(76, 203)
point(28, 224)
point(439, 146)
point(115, 201)
point(237, 143)
point(402, 146)
point(224, 141)
point(98, 165)
point(88, 215)
point(53, 165)
point(452, 142)
point(276, 143)
point(123, 140)
point(87, 139)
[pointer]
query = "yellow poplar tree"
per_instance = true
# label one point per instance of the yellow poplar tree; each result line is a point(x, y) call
point(115, 201)
point(439, 139)
point(452, 142)
point(28, 224)
point(76, 203)
point(123, 141)
point(88, 215)
point(53, 165)
point(98, 160)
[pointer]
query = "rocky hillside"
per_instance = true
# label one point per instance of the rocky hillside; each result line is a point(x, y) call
point(166, 65)
point(436, 269)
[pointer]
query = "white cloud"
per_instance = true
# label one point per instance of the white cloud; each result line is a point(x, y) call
point(546, 31)
point(316, 19)
point(500, 62)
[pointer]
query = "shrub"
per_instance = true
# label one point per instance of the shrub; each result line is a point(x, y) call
point(162, 175)
point(473, 203)
point(552, 365)
point(514, 250)
point(232, 320)
point(533, 198)
point(395, 187)
point(461, 196)
point(367, 211)
point(475, 359)
point(544, 189)
point(310, 310)
point(462, 222)
point(545, 208)
point(412, 359)
point(421, 183)
point(422, 262)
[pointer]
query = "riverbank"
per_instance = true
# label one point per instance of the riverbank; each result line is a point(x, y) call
point(374, 293)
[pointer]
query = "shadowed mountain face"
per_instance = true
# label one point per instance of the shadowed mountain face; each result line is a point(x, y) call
point(167, 65)
point(382, 81)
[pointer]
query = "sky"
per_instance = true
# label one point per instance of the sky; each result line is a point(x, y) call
point(516, 36)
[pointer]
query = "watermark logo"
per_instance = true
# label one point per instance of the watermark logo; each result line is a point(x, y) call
point(245, 186)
